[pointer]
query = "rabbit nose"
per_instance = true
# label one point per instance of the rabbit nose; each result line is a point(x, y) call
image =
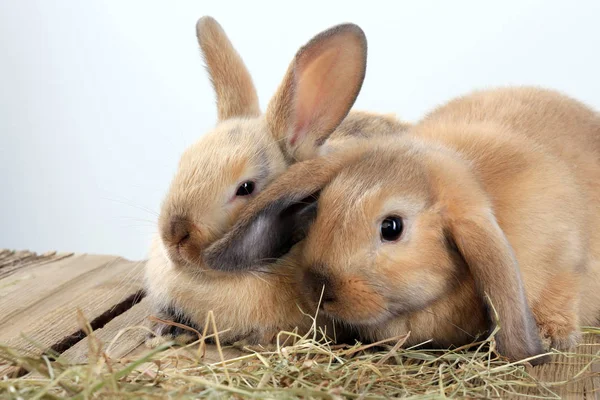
point(178, 230)
point(320, 287)
point(183, 239)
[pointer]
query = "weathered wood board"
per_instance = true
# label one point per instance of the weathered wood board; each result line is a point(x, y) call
point(41, 294)
point(40, 300)
point(563, 368)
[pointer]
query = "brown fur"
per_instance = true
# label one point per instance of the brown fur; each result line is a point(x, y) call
point(201, 205)
point(499, 192)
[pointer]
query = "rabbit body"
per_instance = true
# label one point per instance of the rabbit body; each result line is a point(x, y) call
point(495, 200)
point(535, 156)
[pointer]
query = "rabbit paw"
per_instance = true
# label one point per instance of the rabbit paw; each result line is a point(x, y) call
point(164, 332)
point(559, 337)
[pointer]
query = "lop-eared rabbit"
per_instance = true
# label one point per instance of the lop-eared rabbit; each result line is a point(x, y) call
point(486, 213)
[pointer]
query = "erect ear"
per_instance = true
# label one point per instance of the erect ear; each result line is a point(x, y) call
point(278, 217)
point(492, 263)
point(318, 90)
point(236, 95)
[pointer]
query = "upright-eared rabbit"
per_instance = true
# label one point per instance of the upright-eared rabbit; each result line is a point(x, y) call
point(307, 116)
point(486, 212)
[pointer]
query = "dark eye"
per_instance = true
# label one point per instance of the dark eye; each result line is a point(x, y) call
point(245, 189)
point(391, 228)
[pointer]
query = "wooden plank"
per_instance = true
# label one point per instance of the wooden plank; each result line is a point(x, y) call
point(132, 337)
point(41, 300)
point(130, 343)
point(11, 261)
point(562, 368)
point(31, 285)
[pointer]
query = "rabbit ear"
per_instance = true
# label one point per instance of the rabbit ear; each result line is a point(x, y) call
point(491, 260)
point(236, 95)
point(277, 218)
point(318, 90)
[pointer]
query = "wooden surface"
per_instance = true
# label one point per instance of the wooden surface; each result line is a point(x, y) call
point(40, 296)
point(563, 368)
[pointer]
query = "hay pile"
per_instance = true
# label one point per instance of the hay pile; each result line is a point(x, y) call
point(298, 367)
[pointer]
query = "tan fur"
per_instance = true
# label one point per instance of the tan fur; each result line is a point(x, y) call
point(499, 192)
point(236, 95)
point(201, 204)
point(329, 63)
point(363, 126)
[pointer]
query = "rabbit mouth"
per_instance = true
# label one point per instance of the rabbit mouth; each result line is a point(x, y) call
point(356, 315)
point(183, 258)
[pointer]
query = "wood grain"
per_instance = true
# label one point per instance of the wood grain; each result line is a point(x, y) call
point(41, 300)
point(132, 336)
point(12, 261)
point(127, 325)
point(561, 369)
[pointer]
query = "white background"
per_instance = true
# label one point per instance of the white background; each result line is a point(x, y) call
point(99, 99)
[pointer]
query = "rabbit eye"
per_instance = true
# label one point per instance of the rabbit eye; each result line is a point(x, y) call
point(391, 228)
point(245, 189)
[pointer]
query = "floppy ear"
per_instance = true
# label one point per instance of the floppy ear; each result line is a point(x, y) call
point(277, 218)
point(496, 272)
point(236, 95)
point(318, 90)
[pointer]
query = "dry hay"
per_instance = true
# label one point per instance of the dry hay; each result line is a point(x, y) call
point(307, 366)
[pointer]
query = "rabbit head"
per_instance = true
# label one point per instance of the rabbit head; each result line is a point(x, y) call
point(246, 150)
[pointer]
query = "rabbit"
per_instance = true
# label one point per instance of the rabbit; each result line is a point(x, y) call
point(308, 116)
point(485, 214)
